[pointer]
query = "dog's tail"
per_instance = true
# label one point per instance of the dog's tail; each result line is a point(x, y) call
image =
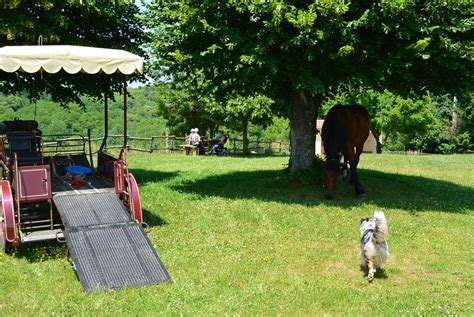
point(381, 227)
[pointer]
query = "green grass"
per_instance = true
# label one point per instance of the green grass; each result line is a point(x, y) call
point(239, 241)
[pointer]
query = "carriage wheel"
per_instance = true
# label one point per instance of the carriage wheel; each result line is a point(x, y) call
point(7, 217)
point(135, 207)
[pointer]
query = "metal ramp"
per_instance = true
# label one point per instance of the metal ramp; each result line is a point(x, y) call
point(108, 249)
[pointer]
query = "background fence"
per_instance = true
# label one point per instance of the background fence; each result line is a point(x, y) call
point(74, 143)
point(173, 143)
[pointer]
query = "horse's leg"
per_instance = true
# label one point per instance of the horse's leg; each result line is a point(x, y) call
point(346, 176)
point(349, 157)
point(354, 175)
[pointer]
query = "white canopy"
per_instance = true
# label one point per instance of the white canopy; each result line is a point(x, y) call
point(73, 59)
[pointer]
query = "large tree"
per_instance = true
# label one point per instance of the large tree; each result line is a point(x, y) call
point(296, 51)
point(110, 24)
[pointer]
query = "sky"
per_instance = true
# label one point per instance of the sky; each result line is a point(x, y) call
point(140, 5)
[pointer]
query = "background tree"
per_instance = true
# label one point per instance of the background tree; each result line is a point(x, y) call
point(185, 109)
point(443, 139)
point(110, 24)
point(241, 111)
point(295, 52)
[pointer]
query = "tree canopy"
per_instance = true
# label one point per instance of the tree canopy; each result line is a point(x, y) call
point(109, 24)
point(295, 52)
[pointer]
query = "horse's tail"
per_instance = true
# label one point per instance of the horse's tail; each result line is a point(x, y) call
point(333, 133)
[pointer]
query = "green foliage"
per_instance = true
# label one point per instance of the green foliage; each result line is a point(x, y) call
point(442, 139)
point(241, 110)
point(184, 109)
point(278, 130)
point(405, 116)
point(143, 117)
point(110, 24)
point(459, 144)
point(312, 45)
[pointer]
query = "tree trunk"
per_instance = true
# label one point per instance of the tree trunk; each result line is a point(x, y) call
point(245, 137)
point(303, 114)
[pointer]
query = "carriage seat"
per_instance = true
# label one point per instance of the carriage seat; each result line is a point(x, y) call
point(23, 139)
point(24, 144)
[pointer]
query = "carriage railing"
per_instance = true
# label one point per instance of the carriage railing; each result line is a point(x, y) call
point(63, 144)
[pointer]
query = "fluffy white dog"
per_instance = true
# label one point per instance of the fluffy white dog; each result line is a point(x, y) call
point(373, 247)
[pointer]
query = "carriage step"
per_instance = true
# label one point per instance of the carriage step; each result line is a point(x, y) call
point(114, 256)
point(91, 209)
point(41, 235)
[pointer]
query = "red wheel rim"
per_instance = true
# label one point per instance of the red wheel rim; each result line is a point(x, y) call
point(2, 227)
point(135, 200)
point(8, 213)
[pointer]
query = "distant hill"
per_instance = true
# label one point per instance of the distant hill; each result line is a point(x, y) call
point(143, 119)
point(143, 116)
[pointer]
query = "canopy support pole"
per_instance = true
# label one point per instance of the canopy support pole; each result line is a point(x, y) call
point(125, 131)
point(106, 116)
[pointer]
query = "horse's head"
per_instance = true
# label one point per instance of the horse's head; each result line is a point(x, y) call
point(332, 169)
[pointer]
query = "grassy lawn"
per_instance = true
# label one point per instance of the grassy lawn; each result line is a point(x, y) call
point(237, 240)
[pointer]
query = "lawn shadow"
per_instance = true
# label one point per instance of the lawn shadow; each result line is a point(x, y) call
point(257, 156)
point(150, 176)
point(152, 219)
point(267, 185)
point(379, 273)
point(41, 251)
point(143, 176)
point(416, 193)
point(412, 193)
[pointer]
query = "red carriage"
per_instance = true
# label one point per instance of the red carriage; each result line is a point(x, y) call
point(50, 188)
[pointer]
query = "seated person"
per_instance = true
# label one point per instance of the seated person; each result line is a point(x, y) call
point(195, 139)
point(217, 148)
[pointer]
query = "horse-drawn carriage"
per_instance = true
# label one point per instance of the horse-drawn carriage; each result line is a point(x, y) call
point(49, 187)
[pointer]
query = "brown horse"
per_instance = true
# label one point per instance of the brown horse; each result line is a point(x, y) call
point(344, 132)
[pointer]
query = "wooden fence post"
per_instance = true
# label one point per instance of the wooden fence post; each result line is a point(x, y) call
point(167, 144)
